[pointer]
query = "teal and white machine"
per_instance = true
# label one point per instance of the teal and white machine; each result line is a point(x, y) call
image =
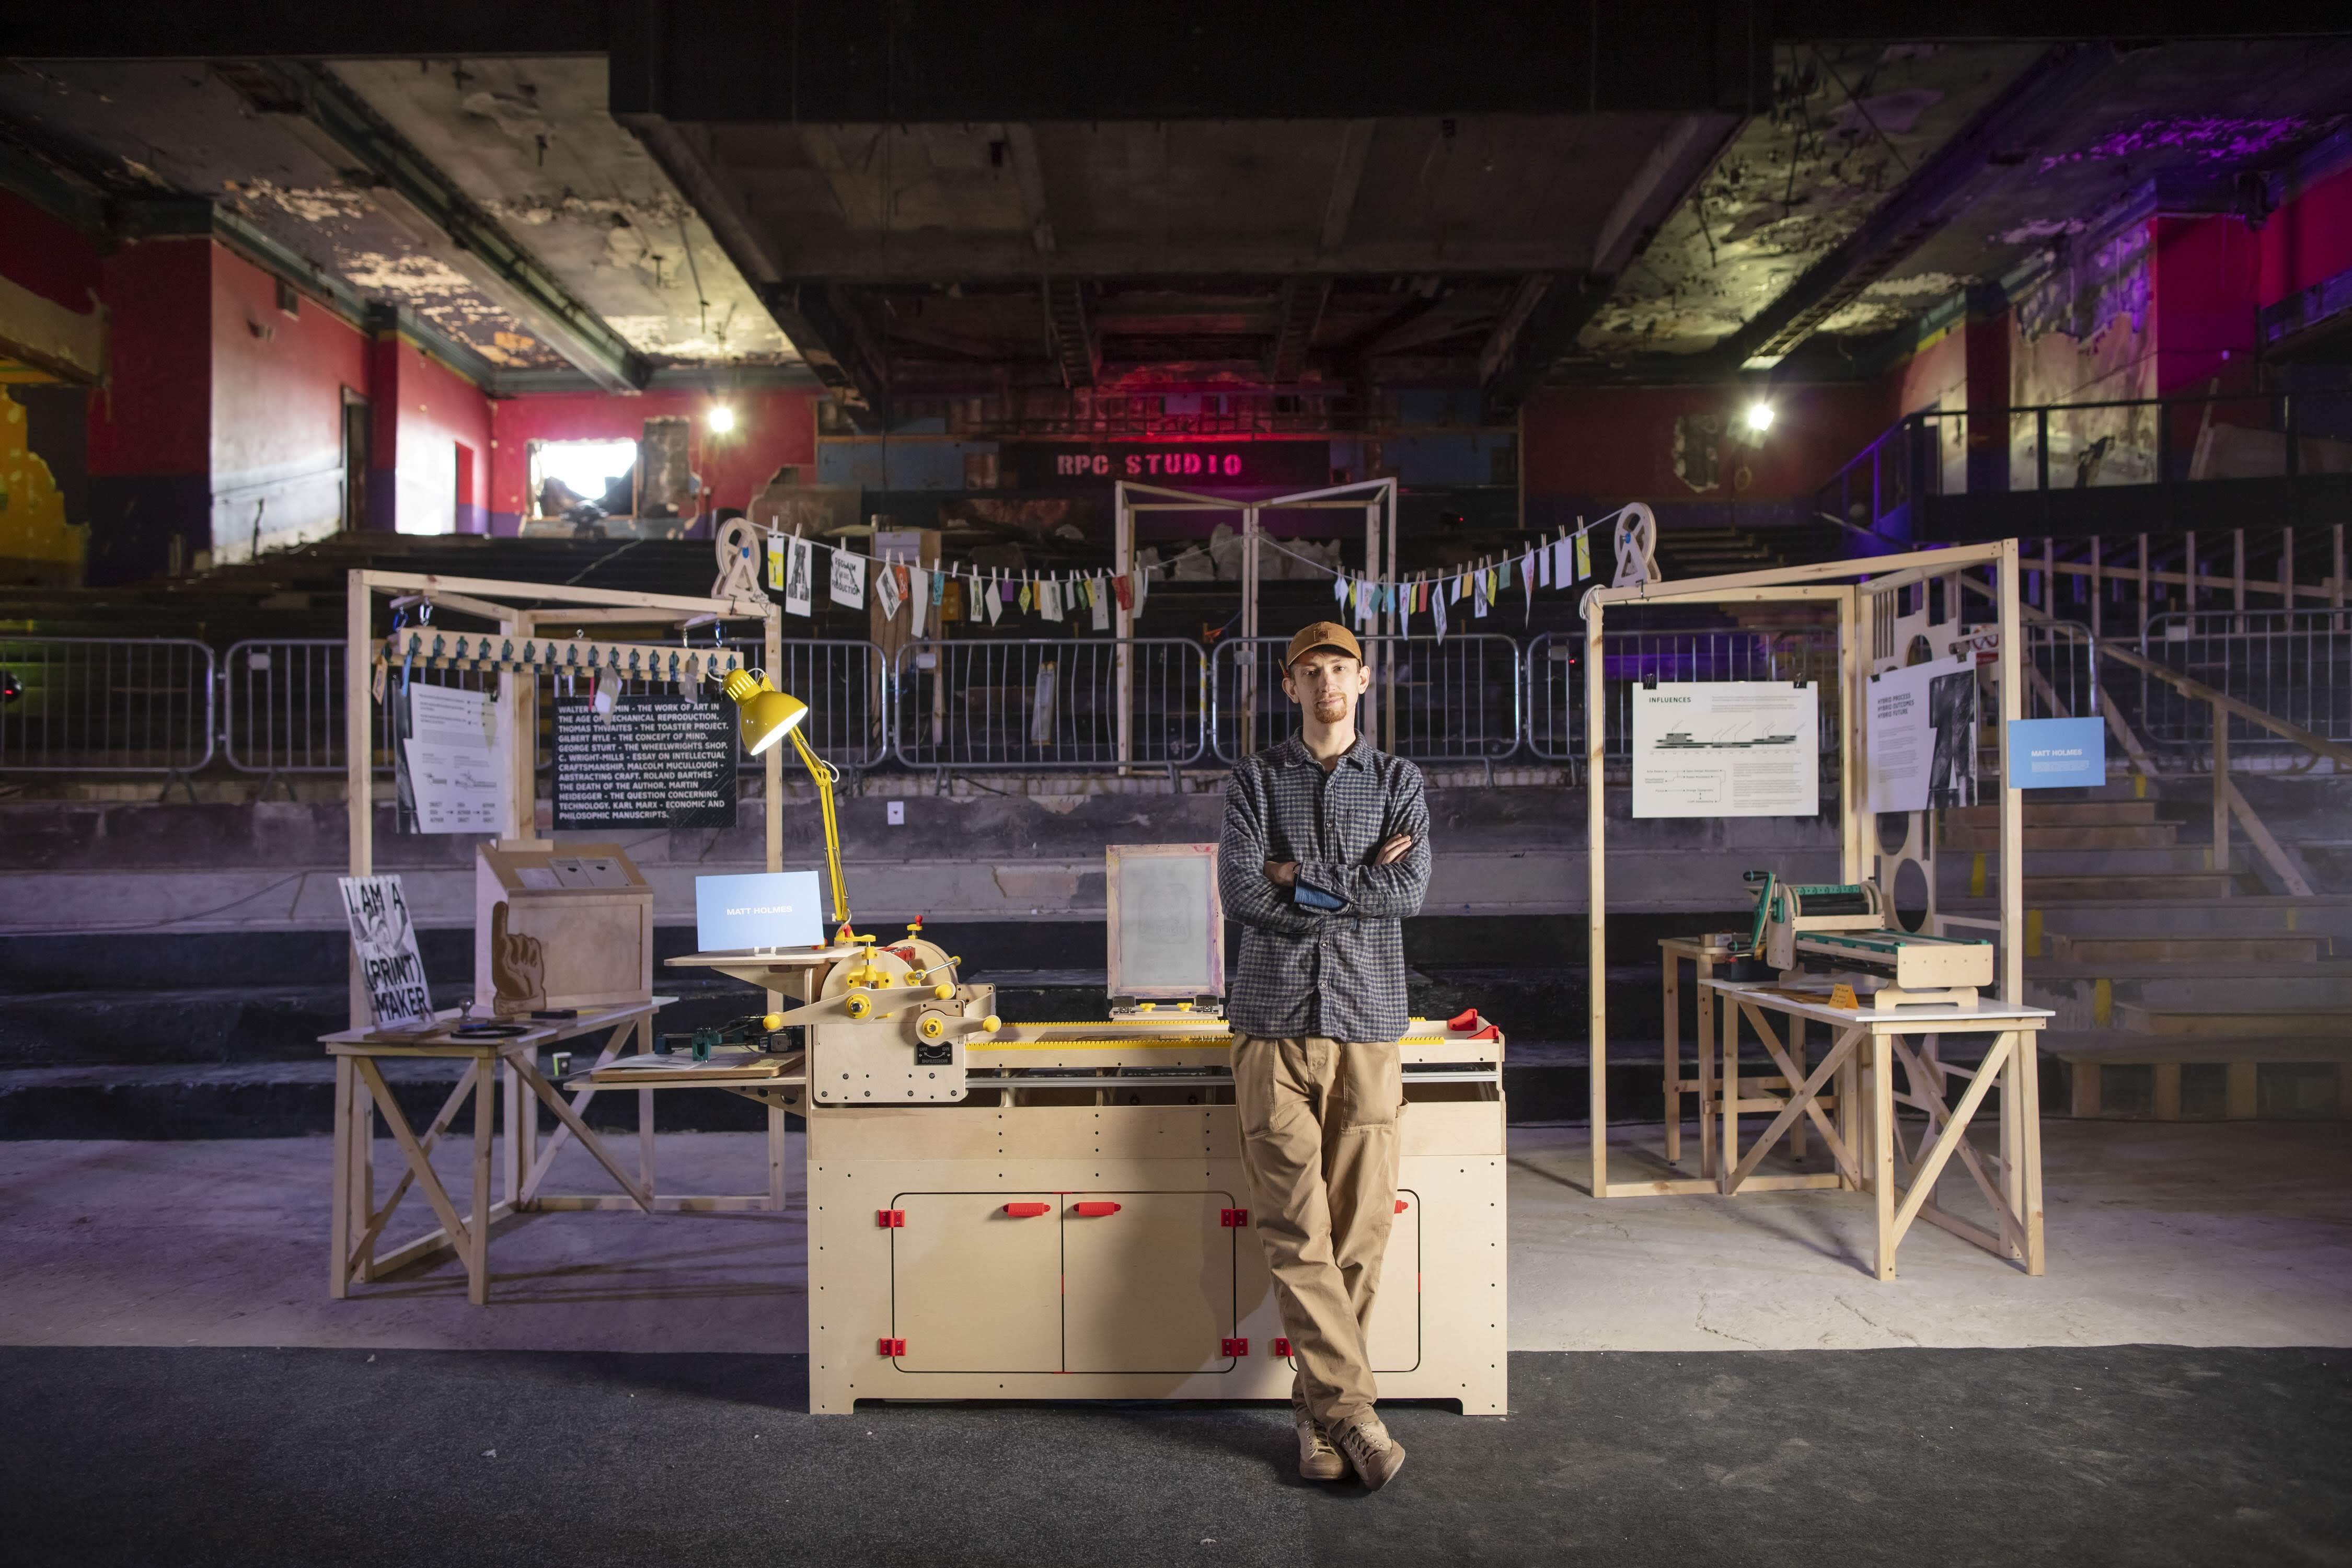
point(1846, 926)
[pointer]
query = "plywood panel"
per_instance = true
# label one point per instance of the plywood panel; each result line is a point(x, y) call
point(1150, 1288)
point(974, 1288)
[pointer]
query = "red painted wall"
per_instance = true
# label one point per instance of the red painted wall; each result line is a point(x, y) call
point(278, 384)
point(1618, 444)
point(2308, 240)
point(46, 255)
point(773, 427)
point(2205, 271)
point(419, 423)
point(154, 417)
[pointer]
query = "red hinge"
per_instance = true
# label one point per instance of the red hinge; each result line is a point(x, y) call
point(1402, 1206)
point(1233, 1219)
point(893, 1348)
point(890, 1220)
point(1281, 1347)
point(1094, 1211)
point(1027, 1211)
point(1236, 1348)
point(1462, 1021)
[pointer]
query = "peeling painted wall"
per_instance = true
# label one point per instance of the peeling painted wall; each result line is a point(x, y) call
point(277, 386)
point(1622, 443)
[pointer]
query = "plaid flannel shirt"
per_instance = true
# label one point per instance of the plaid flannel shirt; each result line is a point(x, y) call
point(1338, 972)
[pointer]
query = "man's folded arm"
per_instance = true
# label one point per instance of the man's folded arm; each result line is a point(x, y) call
point(1384, 892)
point(1242, 883)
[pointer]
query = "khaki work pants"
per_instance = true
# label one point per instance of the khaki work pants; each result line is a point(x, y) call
point(1320, 1143)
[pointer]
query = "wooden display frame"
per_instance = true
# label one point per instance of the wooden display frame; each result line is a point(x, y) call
point(517, 611)
point(1853, 588)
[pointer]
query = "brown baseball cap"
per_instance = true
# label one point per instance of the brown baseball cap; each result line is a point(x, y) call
point(1324, 634)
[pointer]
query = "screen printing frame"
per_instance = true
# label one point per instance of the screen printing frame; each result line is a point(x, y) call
point(1115, 856)
point(1857, 589)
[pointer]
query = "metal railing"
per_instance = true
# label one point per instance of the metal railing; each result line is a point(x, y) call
point(1047, 702)
point(1556, 673)
point(282, 705)
point(2296, 665)
point(2061, 670)
point(106, 705)
point(1434, 699)
point(2045, 447)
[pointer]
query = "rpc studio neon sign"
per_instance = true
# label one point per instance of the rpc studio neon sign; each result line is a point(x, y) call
point(1147, 465)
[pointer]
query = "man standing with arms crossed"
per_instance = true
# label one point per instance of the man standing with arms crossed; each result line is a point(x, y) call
point(1326, 850)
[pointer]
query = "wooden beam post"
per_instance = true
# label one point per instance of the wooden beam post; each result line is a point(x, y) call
point(1596, 892)
point(2012, 808)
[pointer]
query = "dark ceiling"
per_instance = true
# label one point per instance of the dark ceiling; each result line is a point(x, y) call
point(921, 201)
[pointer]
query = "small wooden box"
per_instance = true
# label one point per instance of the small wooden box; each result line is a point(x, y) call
point(587, 909)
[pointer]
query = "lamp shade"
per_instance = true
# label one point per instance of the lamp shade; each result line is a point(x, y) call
point(768, 714)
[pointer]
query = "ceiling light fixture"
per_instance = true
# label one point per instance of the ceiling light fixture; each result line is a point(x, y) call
point(721, 418)
point(1759, 416)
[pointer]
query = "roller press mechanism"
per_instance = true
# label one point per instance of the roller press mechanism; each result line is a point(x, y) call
point(1846, 925)
point(890, 1026)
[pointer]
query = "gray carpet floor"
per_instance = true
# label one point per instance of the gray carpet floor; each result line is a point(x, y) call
point(2147, 1456)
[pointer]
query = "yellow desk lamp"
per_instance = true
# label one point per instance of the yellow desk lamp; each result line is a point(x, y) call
point(768, 716)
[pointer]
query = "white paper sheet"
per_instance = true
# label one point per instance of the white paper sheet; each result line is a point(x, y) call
point(453, 762)
point(1729, 748)
point(1919, 735)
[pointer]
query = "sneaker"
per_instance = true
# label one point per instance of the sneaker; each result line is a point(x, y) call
point(1369, 1448)
point(1317, 1460)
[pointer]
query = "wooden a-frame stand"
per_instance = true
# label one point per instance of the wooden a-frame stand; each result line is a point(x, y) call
point(1855, 1078)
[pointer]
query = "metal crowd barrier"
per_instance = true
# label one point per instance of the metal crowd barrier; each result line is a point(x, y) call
point(282, 705)
point(2062, 672)
point(106, 705)
point(1047, 702)
point(282, 708)
point(2293, 664)
point(1434, 699)
point(1555, 665)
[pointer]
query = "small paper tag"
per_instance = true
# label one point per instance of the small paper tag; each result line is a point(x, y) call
point(1841, 996)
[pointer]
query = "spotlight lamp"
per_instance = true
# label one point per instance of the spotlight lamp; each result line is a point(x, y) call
point(721, 419)
point(765, 715)
point(1759, 416)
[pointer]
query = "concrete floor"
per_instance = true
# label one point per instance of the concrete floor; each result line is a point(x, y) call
point(2214, 1235)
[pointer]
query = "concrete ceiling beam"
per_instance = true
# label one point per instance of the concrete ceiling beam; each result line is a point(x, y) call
point(317, 110)
point(1938, 190)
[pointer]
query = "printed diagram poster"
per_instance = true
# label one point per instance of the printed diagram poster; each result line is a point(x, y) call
point(385, 941)
point(1919, 736)
point(1727, 748)
point(453, 760)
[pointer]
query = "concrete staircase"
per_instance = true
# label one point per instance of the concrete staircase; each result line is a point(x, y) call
point(2181, 988)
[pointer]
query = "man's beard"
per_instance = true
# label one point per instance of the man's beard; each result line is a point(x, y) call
point(1331, 708)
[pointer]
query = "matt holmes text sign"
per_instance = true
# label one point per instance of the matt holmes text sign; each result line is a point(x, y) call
point(657, 760)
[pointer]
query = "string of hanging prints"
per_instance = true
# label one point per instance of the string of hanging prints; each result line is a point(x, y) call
point(854, 580)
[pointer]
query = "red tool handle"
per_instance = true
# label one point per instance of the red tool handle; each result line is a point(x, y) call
point(1094, 1211)
point(1027, 1211)
point(1460, 1022)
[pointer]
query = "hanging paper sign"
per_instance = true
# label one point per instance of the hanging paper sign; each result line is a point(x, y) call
point(919, 593)
point(1142, 587)
point(798, 568)
point(886, 592)
point(385, 941)
point(1100, 603)
point(992, 595)
point(1919, 736)
point(1049, 600)
point(775, 562)
point(1561, 566)
point(848, 580)
point(1437, 611)
point(1583, 558)
point(450, 776)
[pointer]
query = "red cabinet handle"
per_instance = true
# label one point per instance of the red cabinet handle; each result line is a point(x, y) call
point(1094, 1211)
point(1463, 1021)
point(1400, 1205)
point(1027, 1211)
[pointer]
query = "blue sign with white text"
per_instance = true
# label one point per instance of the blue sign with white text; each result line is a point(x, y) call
point(770, 908)
point(2056, 753)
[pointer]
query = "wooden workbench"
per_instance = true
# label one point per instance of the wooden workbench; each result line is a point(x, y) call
point(361, 1092)
point(1865, 1043)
